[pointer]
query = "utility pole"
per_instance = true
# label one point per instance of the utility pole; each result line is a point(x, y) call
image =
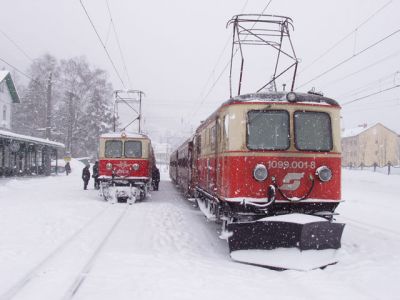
point(70, 96)
point(47, 151)
point(48, 107)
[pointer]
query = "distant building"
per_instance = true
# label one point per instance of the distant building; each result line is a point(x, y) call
point(21, 154)
point(162, 151)
point(369, 145)
point(8, 95)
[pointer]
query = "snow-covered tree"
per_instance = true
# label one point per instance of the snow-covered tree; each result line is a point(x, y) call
point(80, 108)
point(30, 116)
point(85, 111)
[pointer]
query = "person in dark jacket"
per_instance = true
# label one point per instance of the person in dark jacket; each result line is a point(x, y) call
point(155, 174)
point(67, 168)
point(85, 176)
point(95, 175)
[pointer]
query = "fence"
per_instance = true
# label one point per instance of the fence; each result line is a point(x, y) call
point(388, 169)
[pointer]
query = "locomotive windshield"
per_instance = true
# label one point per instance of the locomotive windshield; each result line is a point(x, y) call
point(133, 149)
point(268, 130)
point(313, 131)
point(113, 149)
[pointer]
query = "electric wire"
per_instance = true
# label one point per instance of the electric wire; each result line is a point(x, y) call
point(370, 85)
point(349, 58)
point(102, 44)
point(362, 69)
point(225, 67)
point(372, 94)
point(16, 45)
point(392, 102)
point(346, 36)
point(119, 44)
point(21, 72)
point(220, 55)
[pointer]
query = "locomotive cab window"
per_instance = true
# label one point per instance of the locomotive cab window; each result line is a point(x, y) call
point(268, 130)
point(313, 131)
point(113, 149)
point(133, 149)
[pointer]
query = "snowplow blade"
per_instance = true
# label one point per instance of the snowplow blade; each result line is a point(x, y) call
point(297, 234)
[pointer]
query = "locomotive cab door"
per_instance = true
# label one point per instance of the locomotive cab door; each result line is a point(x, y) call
point(216, 161)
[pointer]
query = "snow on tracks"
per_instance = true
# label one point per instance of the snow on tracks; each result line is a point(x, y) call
point(62, 271)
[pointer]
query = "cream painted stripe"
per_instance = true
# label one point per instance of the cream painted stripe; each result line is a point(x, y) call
point(279, 154)
point(122, 158)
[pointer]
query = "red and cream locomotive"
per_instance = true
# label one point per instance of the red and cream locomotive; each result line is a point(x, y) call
point(126, 161)
point(263, 163)
point(267, 165)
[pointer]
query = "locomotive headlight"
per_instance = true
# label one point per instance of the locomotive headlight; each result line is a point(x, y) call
point(109, 166)
point(135, 167)
point(324, 173)
point(291, 97)
point(260, 172)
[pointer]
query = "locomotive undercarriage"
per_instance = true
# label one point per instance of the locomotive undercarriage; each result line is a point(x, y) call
point(122, 190)
point(302, 228)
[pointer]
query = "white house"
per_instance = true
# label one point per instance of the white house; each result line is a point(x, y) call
point(8, 95)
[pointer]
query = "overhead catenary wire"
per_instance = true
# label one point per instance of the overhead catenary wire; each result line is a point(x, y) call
point(372, 94)
point(16, 45)
point(21, 72)
point(225, 68)
point(346, 36)
point(220, 55)
point(363, 69)
point(102, 44)
point(383, 104)
point(370, 85)
point(119, 44)
point(349, 58)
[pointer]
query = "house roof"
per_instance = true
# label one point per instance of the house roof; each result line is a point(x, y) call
point(6, 76)
point(351, 132)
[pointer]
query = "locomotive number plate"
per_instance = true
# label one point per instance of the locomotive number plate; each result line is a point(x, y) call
point(284, 164)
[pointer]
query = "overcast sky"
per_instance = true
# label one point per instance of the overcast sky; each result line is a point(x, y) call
point(174, 50)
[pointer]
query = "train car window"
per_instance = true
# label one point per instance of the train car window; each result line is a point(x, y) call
point(225, 131)
point(113, 149)
point(198, 144)
point(213, 137)
point(4, 113)
point(1, 157)
point(313, 131)
point(268, 130)
point(133, 149)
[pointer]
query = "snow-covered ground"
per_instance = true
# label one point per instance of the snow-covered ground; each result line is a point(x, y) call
point(163, 248)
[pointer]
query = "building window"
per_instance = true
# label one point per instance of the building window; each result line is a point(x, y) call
point(4, 113)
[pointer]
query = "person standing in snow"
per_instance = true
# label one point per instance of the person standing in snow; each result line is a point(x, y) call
point(67, 168)
point(95, 175)
point(155, 174)
point(85, 176)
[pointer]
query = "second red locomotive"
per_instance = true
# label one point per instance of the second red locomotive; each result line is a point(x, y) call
point(126, 161)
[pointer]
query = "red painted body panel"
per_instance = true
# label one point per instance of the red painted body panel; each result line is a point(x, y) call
point(123, 167)
point(235, 176)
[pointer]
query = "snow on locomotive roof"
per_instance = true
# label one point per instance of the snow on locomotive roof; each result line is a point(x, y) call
point(283, 97)
point(127, 135)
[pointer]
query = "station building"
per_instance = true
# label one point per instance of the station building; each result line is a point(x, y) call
point(21, 154)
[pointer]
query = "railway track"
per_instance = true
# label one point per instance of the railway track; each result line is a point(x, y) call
point(61, 273)
point(371, 227)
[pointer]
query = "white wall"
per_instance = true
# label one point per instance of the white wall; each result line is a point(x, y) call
point(5, 101)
